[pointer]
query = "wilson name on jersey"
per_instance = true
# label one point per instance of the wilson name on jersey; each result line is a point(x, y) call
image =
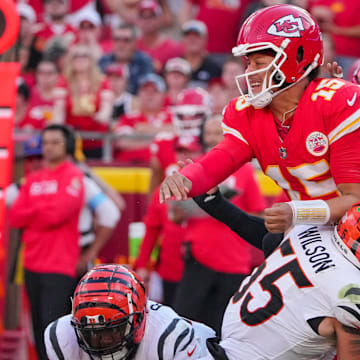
point(273, 315)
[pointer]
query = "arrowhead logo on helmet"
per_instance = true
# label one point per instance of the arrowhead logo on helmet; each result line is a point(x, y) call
point(287, 26)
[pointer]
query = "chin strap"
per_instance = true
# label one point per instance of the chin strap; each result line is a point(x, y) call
point(266, 98)
point(261, 101)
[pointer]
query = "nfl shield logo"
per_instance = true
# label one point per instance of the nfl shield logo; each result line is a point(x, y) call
point(282, 152)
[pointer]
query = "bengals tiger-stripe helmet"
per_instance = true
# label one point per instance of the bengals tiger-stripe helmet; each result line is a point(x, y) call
point(109, 312)
point(347, 235)
point(288, 33)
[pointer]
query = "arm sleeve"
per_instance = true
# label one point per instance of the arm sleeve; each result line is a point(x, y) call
point(107, 213)
point(251, 228)
point(217, 165)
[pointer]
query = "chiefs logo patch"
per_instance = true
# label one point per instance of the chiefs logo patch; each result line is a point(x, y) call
point(287, 26)
point(317, 143)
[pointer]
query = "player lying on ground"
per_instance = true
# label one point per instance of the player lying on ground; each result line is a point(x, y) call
point(112, 319)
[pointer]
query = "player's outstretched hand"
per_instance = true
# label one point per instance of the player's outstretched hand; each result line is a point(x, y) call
point(335, 70)
point(175, 187)
point(278, 218)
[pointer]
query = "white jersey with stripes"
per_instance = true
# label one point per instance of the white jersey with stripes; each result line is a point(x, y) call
point(277, 310)
point(167, 336)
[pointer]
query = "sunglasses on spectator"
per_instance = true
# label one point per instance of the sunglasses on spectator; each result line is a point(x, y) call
point(123, 39)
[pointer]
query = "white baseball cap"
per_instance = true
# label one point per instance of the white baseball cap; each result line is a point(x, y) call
point(179, 65)
point(26, 11)
point(90, 16)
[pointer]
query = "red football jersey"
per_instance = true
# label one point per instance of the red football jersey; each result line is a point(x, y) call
point(163, 149)
point(48, 30)
point(127, 125)
point(321, 149)
point(39, 113)
point(170, 265)
point(81, 109)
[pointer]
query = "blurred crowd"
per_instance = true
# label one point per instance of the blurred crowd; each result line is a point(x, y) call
point(154, 76)
point(85, 63)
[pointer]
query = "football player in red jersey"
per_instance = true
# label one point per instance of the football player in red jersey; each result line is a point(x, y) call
point(191, 109)
point(303, 130)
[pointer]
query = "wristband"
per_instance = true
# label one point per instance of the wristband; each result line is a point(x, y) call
point(310, 212)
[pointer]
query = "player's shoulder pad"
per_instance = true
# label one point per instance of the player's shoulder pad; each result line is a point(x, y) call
point(236, 108)
point(173, 331)
point(60, 340)
point(347, 310)
point(177, 337)
point(238, 104)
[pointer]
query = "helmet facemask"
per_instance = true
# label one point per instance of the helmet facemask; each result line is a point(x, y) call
point(109, 312)
point(188, 120)
point(119, 335)
point(274, 77)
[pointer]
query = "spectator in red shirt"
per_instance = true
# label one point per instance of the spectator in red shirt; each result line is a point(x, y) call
point(48, 209)
point(177, 73)
point(41, 102)
point(151, 119)
point(86, 99)
point(152, 41)
point(55, 24)
point(74, 6)
point(216, 259)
